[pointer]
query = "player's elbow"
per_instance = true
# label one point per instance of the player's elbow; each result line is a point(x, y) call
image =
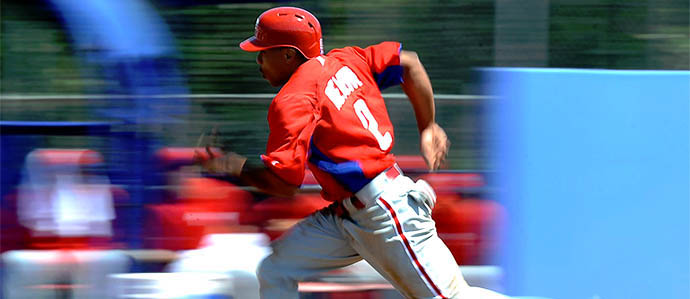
point(274, 185)
point(413, 70)
point(409, 59)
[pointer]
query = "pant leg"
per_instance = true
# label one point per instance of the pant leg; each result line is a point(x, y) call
point(314, 245)
point(397, 236)
point(29, 273)
point(92, 270)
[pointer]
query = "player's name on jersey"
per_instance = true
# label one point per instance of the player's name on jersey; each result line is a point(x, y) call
point(341, 85)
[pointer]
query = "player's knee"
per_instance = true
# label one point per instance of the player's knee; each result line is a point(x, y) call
point(265, 270)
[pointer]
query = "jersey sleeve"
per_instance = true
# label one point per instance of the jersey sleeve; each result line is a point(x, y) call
point(291, 120)
point(384, 61)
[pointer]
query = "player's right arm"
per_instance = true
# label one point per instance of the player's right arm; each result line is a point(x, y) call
point(416, 84)
point(291, 119)
point(252, 172)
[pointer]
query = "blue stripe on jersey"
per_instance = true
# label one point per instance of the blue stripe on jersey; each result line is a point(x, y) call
point(349, 174)
point(392, 75)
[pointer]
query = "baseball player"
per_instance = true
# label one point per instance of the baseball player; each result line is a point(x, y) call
point(330, 115)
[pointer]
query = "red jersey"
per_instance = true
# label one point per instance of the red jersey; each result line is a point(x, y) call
point(331, 116)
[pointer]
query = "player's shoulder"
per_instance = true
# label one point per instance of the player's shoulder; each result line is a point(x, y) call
point(363, 52)
point(345, 52)
point(320, 67)
point(354, 48)
point(304, 81)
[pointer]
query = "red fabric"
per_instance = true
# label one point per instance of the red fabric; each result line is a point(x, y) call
point(305, 111)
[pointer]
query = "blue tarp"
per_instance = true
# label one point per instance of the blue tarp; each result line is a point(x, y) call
point(593, 167)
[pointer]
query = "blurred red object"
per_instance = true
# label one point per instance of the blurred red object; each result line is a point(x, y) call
point(205, 206)
point(173, 157)
point(469, 227)
point(67, 156)
point(278, 214)
point(451, 183)
point(411, 163)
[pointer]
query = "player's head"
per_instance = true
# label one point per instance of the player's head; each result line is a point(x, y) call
point(285, 37)
point(286, 27)
point(278, 64)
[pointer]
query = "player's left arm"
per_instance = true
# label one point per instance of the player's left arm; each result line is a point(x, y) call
point(416, 84)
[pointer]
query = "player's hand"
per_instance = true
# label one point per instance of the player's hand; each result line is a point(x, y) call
point(224, 164)
point(434, 145)
point(215, 161)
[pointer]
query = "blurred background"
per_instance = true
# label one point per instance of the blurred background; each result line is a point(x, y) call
point(103, 101)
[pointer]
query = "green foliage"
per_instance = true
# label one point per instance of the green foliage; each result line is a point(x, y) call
point(451, 37)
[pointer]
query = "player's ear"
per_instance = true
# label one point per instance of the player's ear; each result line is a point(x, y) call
point(289, 53)
point(292, 54)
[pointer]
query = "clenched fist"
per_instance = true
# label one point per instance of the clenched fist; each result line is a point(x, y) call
point(224, 164)
point(434, 145)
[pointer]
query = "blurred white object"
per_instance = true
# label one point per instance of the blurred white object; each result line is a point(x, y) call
point(58, 198)
point(61, 197)
point(48, 274)
point(170, 285)
point(236, 255)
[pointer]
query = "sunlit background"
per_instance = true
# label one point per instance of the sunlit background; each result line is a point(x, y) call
point(568, 122)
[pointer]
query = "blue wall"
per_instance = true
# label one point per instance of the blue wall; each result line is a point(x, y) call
point(594, 169)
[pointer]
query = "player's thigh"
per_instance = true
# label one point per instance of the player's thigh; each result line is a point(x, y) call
point(313, 245)
point(398, 238)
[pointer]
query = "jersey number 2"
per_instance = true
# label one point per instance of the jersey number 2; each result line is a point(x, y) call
point(369, 123)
